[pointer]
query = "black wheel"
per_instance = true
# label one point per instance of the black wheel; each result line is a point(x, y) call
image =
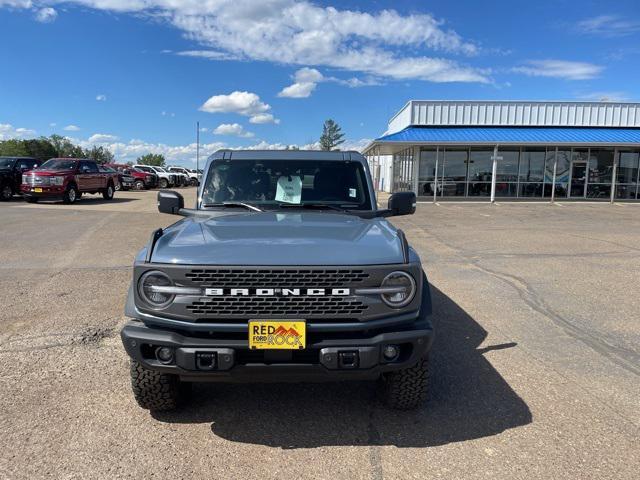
point(31, 199)
point(71, 195)
point(164, 183)
point(155, 390)
point(107, 193)
point(194, 182)
point(138, 185)
point(6, 192)
point(405, 389)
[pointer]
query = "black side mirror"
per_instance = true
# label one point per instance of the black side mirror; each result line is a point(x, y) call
point(402, 203)
point(170, 202)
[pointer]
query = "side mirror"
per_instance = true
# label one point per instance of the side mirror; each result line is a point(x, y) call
point(170, 202)
point(402, 203)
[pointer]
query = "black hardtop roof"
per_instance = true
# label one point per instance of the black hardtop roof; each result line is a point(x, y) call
point(310, 155)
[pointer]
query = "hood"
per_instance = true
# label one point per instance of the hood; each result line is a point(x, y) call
point(270, 238)
point(48, 173)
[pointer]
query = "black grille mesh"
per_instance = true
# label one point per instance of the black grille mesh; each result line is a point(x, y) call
point(246, 278)
point(259, 306)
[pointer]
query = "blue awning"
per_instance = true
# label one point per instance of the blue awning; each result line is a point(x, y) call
point(515, 135)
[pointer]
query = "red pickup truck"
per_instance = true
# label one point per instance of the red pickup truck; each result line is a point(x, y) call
point(67, 179)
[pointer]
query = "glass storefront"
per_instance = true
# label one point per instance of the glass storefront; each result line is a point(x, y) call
point(529, 172)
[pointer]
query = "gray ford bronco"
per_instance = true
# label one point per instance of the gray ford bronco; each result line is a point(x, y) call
point(285, 270)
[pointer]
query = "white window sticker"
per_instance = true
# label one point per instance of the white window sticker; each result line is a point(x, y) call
point(289, 189)
point(352, 192)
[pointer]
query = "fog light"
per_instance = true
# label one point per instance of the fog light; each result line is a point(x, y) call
point(164, 355)
point(391, 352)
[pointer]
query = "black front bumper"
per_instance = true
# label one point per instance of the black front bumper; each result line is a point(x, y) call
point(232, 361)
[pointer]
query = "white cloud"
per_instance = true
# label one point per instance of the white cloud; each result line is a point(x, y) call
point(298, 90)
point(234, 129)
point(16, 3)
point(208, 54)
point(247, 104)
point(203, 129)
point(46, 15)
point(102, 138)
point(101, 98)
point(608, 26)
point(306, 79)
point(386, 43)
point(53, 124)
point(560, 69)
point(168, 114)
point(71, 128)
point(605, 96)
point(8, 131)
point(264, 118)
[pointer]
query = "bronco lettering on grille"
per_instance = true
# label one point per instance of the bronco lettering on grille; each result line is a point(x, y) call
point(277, 292)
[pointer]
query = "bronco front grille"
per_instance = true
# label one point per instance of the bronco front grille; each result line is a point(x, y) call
point(290, 306)
point(265, 278)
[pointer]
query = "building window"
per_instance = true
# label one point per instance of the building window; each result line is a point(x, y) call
point(507, 173)
point(454, 175)
point(427, 171)
point(531, 170)
point(628, 171)
point(563, 172)
point(600, 173)
point(480, 171)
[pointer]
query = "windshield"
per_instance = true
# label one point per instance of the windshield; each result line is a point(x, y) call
point(6, 162)
point(294, 182)
point(59, 164)
point(159, 169)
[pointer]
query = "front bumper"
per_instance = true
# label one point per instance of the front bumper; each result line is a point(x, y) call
point(234, 362)
point(321, 360)
point(46, 192)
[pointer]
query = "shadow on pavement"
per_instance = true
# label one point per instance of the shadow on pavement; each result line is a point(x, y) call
point(469, 399)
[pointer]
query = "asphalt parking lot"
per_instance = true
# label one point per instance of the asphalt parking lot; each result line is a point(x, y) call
point(536, 362)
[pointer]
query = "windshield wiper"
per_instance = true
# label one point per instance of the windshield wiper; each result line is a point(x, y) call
point(339, 208)
point(248, 206)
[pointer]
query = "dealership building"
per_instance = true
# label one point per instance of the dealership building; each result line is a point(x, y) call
point(510, 149)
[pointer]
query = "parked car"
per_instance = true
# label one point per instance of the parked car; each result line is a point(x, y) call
point(285, 270)
point(11, 170)
point(141, 180)
point(125, 182)
point(191, 177)
point(165, 179)
point(67, 179)
point(182, 175)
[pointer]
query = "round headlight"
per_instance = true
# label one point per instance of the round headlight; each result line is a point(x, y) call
point(404, 289)
point(154, 298)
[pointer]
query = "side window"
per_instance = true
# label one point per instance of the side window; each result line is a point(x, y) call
point(88, 167)
point(26, 164)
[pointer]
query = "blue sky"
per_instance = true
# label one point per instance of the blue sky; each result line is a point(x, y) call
point(136, 75)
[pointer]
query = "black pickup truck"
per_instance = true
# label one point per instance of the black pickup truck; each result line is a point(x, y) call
point(11, 170)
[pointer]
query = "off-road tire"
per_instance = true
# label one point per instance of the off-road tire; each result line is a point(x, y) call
point(139, 185)
point(107, 193)
point(6, 192)
point(155, 391)
point(69, 197)
point(405, 389)
point(119, 187)
point(194, 182)
point(164, 183)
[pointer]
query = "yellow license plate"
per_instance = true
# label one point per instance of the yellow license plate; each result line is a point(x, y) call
point(37, 190)
point(277, 334)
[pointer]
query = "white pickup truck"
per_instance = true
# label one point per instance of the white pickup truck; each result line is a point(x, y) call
point(165, 179)
point(192, 176)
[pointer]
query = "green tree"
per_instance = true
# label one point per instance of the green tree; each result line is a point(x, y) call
point(40, 148)
point(332, 135)
point(13, 148)
point(64, 147)
point(155, 159)
point(99, 154)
